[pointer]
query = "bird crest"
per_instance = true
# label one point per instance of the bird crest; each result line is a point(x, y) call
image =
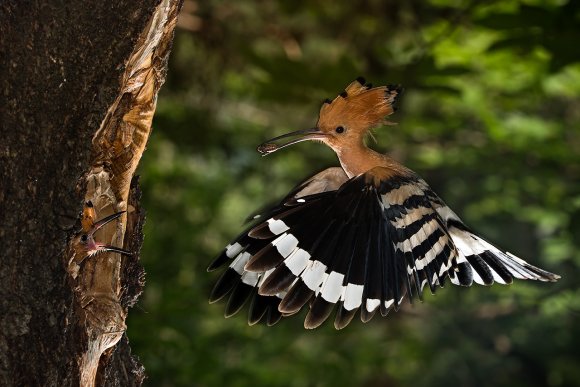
point(360, 107)
point(364, 236)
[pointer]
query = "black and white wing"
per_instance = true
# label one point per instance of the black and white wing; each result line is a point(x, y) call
point(242, 285)
point(488, 263)
point(362, 245)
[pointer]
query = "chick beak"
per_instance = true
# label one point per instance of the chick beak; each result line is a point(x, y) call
point(100, 247)
point(271, 146)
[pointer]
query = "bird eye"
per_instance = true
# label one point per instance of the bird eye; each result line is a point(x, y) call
point(84, 238)
point(339, 129)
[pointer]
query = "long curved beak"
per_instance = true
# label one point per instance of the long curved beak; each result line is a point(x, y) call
point(114, 249)
point(99, 224)
point(103, 247)
point(271, 146)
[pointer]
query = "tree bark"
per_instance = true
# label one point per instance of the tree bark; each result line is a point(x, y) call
point(79, 83)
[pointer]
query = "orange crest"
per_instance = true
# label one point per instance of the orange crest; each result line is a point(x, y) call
point(88, 217)
point(360, 107)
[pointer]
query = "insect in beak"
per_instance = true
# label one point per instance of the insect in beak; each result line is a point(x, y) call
point(270, 146)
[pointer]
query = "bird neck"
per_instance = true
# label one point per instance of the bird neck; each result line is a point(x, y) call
point(359, 159)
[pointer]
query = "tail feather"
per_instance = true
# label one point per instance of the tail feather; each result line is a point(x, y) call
point(364, 246)
point(489, 263)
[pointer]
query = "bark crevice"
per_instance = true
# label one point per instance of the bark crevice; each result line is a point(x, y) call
point(78, 86)
point(117, 149)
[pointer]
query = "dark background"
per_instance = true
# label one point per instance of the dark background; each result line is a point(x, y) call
point(489, 119)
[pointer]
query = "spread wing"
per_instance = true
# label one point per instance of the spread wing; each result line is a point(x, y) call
point(360, 244)
point(242, 285)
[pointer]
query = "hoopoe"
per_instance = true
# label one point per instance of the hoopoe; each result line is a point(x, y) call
point(84, 243)
point(362, 236)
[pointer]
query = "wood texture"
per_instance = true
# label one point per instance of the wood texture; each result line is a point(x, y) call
point(78, 85)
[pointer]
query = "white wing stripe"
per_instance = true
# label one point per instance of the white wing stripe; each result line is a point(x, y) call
point(332, 287)
point(430, 255)
point(297, 261)
point(353, 296)
point(277, 226)
point(313, 275)
point(419, 237)
point(240, 261)
point(250, 278)
point(399, 195)
point(372, 304)
point(233, 250)
point(285, 244)
point(411, 217)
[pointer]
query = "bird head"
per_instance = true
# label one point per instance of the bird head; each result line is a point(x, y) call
point(346, 120)
point(84, 241)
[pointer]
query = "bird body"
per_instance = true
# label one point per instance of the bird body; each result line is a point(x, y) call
point(360, 237)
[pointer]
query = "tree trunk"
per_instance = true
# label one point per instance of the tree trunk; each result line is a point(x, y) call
point(79, 82)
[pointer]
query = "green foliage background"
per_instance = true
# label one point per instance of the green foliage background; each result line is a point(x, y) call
point(490, 119)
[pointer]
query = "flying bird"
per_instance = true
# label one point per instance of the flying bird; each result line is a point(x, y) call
point(362, 236)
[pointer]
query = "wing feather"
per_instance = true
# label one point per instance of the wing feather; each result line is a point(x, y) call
point(490, 264)
point(363, 243)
